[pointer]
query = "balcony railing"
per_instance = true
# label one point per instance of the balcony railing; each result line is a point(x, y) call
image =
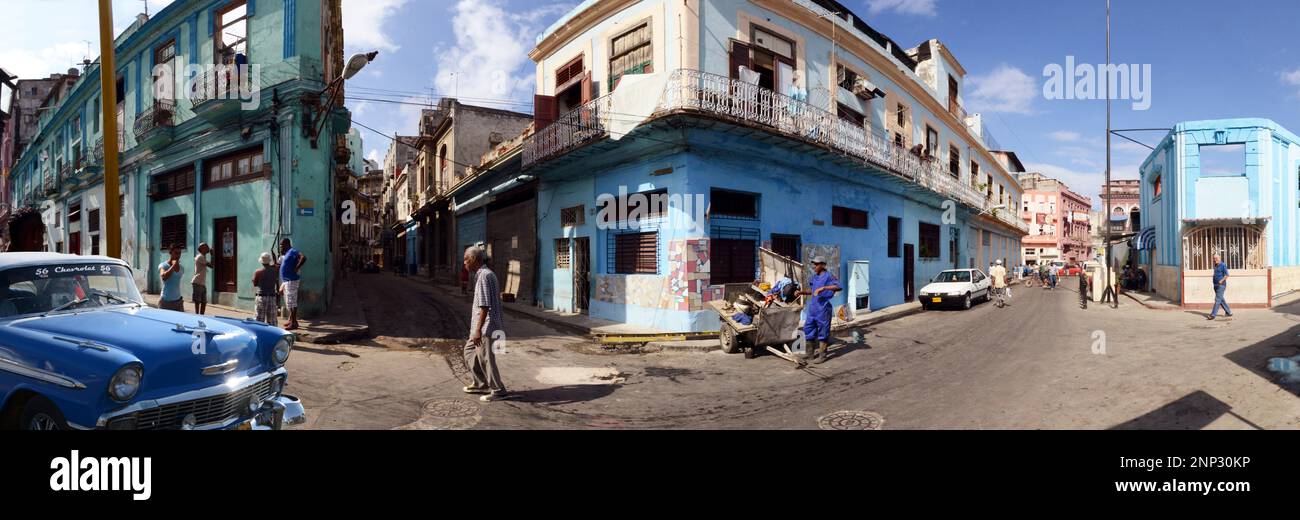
point(712, 94)
point(216, 84)
point(161, 114)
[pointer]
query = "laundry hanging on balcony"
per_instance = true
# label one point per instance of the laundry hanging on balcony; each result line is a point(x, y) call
point(634, 101)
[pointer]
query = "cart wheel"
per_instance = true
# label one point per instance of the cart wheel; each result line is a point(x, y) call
point(727, 337)
point(751, 353)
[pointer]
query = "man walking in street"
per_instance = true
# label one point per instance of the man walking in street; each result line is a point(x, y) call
point(171, 272)
point(485, 319)
point(290, 271)
point(1220, 287)
point(817, 325)
point(200, 280)
point(999, 276)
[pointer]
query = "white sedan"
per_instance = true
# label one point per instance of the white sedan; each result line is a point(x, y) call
point(959, 286)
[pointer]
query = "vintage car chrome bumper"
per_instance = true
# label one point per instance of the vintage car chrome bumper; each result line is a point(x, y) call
point(275, 414)
point(260, 397)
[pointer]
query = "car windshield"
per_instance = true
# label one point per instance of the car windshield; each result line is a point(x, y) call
point(953, 276)
point(65, 287)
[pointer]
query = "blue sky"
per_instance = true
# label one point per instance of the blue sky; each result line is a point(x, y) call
point(1208, 60)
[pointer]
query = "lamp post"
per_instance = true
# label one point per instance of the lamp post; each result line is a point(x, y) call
point(1110, 258)
point(355, 64)
point(108, 91)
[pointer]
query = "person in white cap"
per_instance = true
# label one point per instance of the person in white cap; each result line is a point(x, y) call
point(999, 276)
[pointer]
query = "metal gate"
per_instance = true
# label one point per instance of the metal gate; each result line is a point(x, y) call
point(1242, 247)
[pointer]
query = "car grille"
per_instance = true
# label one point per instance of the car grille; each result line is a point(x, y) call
point(206, 410)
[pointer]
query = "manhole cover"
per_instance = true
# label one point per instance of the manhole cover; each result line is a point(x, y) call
point(852, 420)
point(450, 408)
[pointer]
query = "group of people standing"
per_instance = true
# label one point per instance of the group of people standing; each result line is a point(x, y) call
point(273, 280)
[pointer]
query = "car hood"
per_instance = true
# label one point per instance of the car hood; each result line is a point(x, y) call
point(163, 341)
point(946, 287)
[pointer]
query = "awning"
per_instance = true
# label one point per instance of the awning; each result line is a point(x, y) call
point(1145, 240)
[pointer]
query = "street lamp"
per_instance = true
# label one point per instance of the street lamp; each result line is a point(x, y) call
point(355, 64)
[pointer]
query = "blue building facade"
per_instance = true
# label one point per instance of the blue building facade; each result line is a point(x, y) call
point(1228, 187)
point(773, 137)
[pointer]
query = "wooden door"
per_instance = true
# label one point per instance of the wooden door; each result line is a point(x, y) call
point(225, 255)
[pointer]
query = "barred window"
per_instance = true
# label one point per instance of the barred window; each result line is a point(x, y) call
point(636, 253)
point(631, 53)
point(562, 255)
point(172, 231)
point(574, 216)
point(929, 240)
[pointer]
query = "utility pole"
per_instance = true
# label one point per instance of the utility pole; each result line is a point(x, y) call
point(1110, 260)
point(108, 93)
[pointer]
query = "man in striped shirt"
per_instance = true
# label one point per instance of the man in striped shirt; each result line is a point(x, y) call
point(485, 320)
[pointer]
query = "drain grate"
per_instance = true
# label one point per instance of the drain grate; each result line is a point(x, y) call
point(450, 408)
point(852, 420)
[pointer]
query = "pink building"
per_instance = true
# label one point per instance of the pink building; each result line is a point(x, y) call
point(1059, 228)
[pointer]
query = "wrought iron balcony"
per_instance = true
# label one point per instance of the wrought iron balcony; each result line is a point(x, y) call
point(214, 95)
point(745, 103)
point(153, 127)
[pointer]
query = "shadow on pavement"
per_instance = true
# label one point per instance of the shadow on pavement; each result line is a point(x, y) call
point(1193, 411)
point(559, 395)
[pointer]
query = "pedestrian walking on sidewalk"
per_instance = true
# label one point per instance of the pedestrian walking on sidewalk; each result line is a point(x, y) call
point(999, 276)
point(1220, 287)
point(817, 325)
point(171, 272)
point(266, 281)
point(485, 320)
point(291, 272)
point(200, 280)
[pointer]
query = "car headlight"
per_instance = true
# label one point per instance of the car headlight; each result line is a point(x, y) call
point(125, 383)
point(280, 353)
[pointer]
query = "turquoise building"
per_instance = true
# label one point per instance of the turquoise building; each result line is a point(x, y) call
point(217, 106)
point(1229, 187)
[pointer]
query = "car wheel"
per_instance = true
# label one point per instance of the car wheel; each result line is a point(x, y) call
point(40, 414)
point(965, 304)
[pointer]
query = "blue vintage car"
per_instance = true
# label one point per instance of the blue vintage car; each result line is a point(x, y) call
point(79, 349)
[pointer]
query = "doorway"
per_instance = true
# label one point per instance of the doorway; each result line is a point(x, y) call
point(581, 274)
point(909, 272)
point(225, 255)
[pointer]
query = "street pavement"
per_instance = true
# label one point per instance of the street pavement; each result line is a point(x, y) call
point(1041, 362)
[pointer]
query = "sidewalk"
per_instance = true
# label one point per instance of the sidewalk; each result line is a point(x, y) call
point(344, 321)
point(1153, 301)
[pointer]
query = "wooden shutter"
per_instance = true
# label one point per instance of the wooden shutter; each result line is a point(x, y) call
point(587, 94)
point(636, 253)
point(739, 58)
point(545, 110)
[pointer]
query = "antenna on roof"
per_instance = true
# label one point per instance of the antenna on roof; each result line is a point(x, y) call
point(146, 7)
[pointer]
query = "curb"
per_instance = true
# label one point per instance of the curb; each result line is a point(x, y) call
point(556, 324)
point(671, 346)
point(1149, 306)
point(842, 327)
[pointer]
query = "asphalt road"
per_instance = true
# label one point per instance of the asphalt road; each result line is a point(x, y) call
point(1039, 363)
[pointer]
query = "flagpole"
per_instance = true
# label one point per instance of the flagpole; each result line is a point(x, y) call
point(108, 89)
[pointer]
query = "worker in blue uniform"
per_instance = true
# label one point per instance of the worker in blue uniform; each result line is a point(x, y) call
point(817, 325)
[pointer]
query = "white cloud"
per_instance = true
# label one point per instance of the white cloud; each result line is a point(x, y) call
point(374, 156)
point(915, 7)
point(1292, 78)
point(363, 24)
point(1065, 136)
point(488, 57)
point(1005, 89)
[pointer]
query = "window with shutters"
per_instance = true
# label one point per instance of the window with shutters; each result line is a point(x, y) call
point(895, 237)
point(635, 253)
point(172, 232)
point(974, 172)
point(931, 141)
point(928, 246)
point(732, 260)
point(645, 205)
point(570, 72)
point(172, 184)
point(848, 217)
point(574, 216)
point(235, 167)
point(954, 161)
point(632, 53)
point(562, 254)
